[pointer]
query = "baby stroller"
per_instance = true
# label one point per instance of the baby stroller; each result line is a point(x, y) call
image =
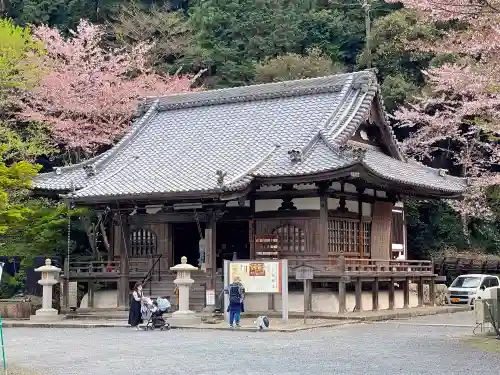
point(154, 314)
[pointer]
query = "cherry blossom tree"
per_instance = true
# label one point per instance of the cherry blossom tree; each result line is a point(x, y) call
point(88, 95)
point(459, 112)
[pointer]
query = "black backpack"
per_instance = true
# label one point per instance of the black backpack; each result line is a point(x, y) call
point(234, 293)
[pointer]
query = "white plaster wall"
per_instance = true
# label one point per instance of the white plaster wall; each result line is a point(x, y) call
point(103, 299)
point(305, 186)
point(274, 204)
point(235, 204)
point(326, 302)
point(267, 205)
point(269, 188)
point(153, 209)
point(349, 188)
point(306, 203)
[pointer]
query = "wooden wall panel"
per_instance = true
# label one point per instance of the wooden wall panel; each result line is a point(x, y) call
point(381, 236)
point(309, 226)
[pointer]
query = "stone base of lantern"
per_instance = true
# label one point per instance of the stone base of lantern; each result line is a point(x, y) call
point(183, 318)
point(46, 315)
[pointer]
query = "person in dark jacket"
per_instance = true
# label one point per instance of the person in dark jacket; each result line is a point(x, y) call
point(236, 293)
point(134, 315)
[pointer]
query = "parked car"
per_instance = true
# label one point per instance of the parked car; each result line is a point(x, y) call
point(466, 288)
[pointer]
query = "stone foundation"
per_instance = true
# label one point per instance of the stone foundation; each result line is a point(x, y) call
point(16, 309)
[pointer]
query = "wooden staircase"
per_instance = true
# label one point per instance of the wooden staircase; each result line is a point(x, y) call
point(165, 287)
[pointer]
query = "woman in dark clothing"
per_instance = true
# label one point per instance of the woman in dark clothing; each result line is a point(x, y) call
point(134, 315)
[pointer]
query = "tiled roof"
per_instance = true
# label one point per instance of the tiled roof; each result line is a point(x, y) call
point(247, 132)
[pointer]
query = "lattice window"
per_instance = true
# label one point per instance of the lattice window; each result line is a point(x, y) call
point(343, 236)
point(292, 239)
point(367, 226)
point(142, 243)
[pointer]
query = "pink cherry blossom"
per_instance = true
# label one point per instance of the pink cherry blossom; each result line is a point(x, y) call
point(88, 95)
point(460, 113)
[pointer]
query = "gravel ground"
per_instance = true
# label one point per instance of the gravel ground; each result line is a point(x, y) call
point(381, 349)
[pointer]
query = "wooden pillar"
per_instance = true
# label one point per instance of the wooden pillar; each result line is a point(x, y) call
point(342, 285)
point(406, 293)
point(432, 292)
point(420, 292)
point(170, 245)
point(359, 294)
point(381, 232)
point(91, 293)
point(323, 225)
point(375, 292)
point(360, 224)
point(210, 249)
point(391, 294)
point(123, 283)
point(308, 295)
point(251, 228)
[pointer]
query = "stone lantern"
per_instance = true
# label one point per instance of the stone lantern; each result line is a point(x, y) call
point(50, 276)
point(184, 316)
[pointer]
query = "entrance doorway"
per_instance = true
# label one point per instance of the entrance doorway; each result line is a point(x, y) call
point(232, 237)
point(185, 241)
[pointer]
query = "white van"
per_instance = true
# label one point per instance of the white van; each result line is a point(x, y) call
point(466, 288)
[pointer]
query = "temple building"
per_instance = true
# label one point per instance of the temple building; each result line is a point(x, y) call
point(311, 166)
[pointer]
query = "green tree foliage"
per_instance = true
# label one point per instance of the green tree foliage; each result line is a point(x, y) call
point(399, 67)
point(295, 66)
point(432, 226)
point(62, 13)
point(19, 63)
point(26, 143)
point(14, 182)
point(231, 36)
point(170, 32)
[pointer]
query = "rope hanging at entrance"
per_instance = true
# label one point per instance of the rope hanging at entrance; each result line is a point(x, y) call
point(198, 224)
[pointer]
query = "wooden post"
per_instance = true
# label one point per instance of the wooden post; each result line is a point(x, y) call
point(432, 292)
point(361, 224)
point(66, 284)
point(91, 293)
point(308, 294)
point(420, 292)
point(210, 249)
point(251, 228)
point(359, 294)
point(123, 283)
point(342, 286)
point(323, 225)
point(406, 293)
point(391, 293)
point(306, 301)
point(375, 291)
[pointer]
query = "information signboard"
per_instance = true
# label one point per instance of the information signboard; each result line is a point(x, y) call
point(304, 273)
point(266, 276)
point(257, 277)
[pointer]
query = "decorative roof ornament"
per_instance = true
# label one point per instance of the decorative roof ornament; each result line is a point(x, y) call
point(363, 82)
point(295, 155)
point(142, 108)
point(220, 177)
point(58, 171)
point(348, 151)
point(89, 170)
point(442, 172)
point(242, 201)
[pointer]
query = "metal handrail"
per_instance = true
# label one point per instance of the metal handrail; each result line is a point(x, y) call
point(148, 277)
